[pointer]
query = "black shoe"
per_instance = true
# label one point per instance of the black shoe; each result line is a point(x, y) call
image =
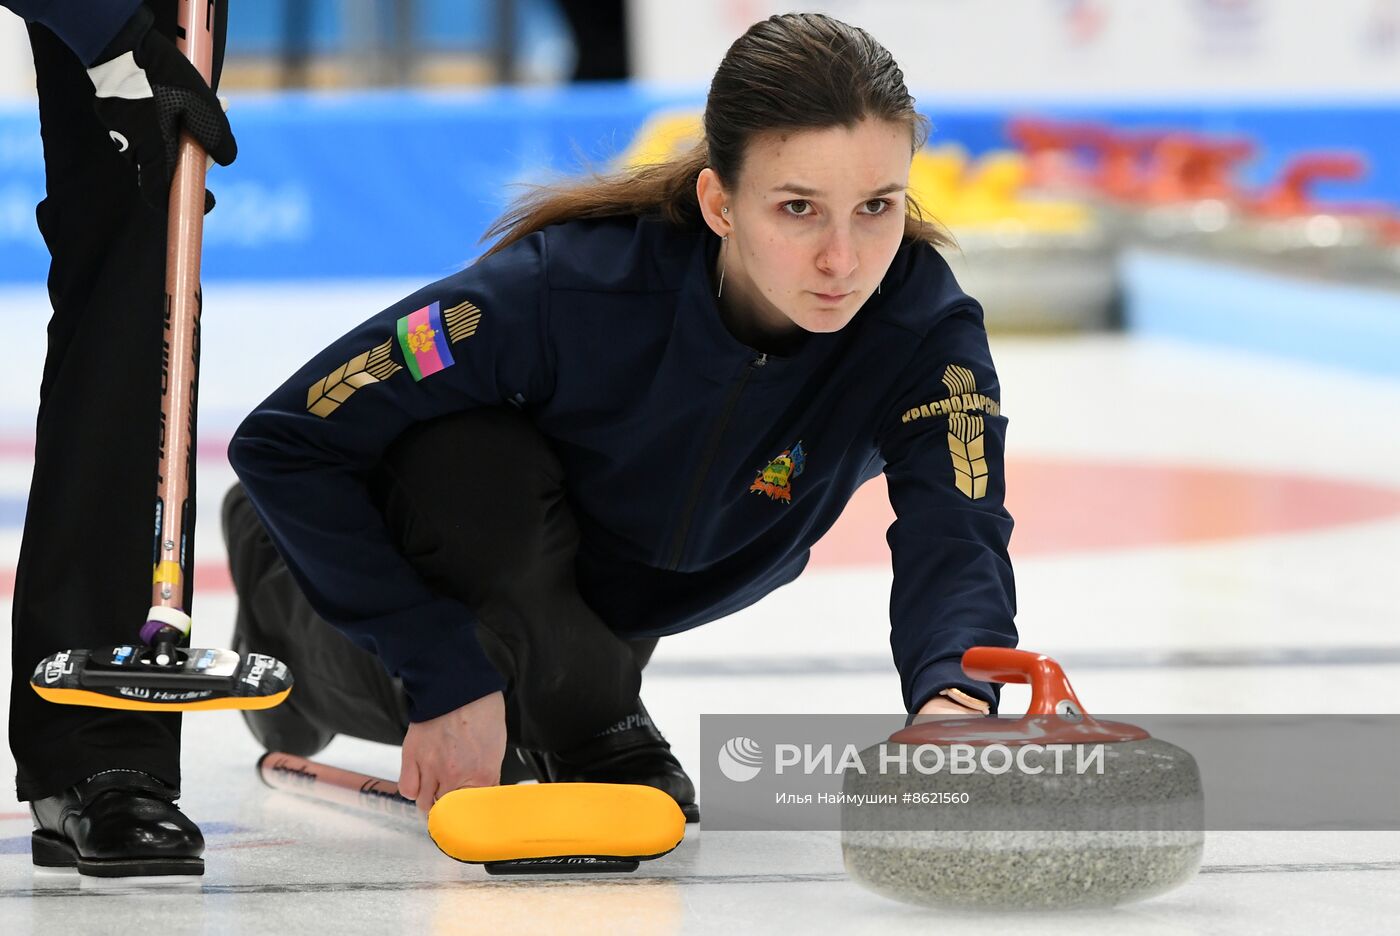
point(631, 751)
point(515, 767)
point(118, 823)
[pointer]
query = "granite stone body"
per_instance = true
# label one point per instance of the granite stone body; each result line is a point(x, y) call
point(1126, 828)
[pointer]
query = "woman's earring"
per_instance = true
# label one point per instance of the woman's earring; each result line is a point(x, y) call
point(879, 286)
point(723, 249)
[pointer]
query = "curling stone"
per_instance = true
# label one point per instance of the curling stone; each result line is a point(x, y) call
point(1035, 264)
point(996, 814)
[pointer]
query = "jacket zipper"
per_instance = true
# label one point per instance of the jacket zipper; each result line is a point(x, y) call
point(711, 450)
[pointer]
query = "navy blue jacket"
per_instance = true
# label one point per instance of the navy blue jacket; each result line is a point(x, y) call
point(701, 471)
point(85, 26)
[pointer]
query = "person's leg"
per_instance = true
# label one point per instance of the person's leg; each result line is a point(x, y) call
point(506, 553)
point(642, 649)
point(102, 783)
point(600, 39)
point(478, 501)
point(475, 501)
point(84, 571)
point(339, 688)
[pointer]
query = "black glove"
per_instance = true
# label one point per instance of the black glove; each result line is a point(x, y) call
point(147, 92)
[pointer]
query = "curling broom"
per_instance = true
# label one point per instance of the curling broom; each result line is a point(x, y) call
point(546, 828)
point(152, 674)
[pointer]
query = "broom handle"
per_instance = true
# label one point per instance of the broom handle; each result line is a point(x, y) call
point(334, 785)
point(180, 351)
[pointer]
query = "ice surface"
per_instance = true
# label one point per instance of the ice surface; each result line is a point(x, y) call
point(1122, 621)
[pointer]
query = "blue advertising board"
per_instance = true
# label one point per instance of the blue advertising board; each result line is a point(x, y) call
point(404, 183)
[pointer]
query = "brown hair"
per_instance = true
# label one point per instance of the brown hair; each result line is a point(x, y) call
point(796, 71)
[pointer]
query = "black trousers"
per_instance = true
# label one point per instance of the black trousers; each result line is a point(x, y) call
point(84, 573)
point(475, 501)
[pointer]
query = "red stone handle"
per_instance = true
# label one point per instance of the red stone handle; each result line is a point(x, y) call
point(1037, 136)
point(1055, 715)
point(1121, 156)
point(1049, 685)
point(1292, 193)
point(1186, 167)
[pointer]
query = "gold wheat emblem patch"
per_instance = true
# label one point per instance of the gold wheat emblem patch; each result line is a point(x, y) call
point(967, 436)
point(325, 395)
point(967, 444)
point(461, 321)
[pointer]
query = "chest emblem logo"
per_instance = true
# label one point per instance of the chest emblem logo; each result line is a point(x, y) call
point(776, 479)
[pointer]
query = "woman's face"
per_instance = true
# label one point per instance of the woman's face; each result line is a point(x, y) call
point(813, 225)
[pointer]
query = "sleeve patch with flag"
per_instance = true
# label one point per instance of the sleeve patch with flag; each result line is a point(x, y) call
point(419, 336)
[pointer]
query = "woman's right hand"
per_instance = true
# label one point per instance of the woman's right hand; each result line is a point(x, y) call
point(463, 748)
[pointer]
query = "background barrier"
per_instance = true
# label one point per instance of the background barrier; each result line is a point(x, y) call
point(400, 183)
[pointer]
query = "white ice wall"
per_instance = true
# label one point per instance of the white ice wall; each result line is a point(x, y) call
point(1120, 49)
